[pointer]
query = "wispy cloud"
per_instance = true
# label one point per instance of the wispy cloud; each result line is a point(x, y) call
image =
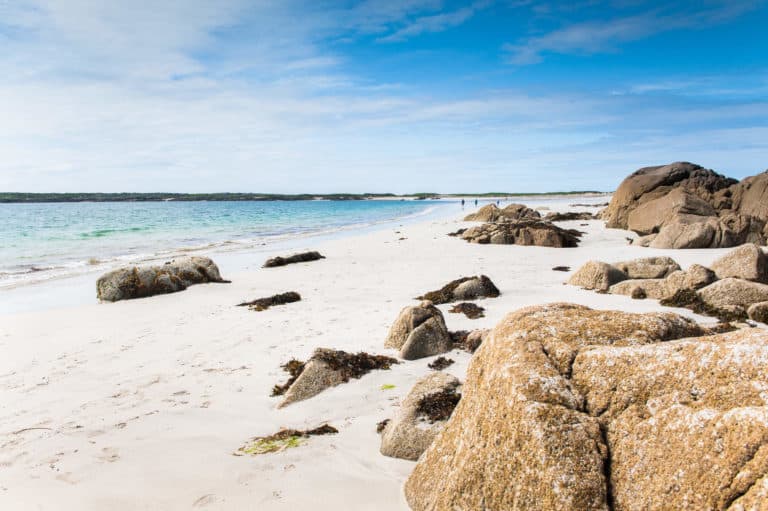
point(591, 37)
point(434, 23)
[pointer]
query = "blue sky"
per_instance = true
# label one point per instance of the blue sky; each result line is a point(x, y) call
point(400, 95)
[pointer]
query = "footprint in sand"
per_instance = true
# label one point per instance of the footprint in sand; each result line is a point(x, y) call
point(204, 500)
point(109, 455)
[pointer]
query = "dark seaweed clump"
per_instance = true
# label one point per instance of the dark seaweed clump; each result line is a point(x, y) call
point(470, 310)
point(262, 304)
point(457, 233)
point(561, 268)
point(283, 434)
point(294, 368)
point(353, 365)
point(438, 406)
point(381, 425)
point(445, 294)
point(690, 299)
point(295, 258)
point(440, 363)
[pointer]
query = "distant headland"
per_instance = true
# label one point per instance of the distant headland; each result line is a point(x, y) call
point(21, 197)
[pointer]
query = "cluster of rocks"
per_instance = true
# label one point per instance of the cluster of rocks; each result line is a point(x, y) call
point(518, 224)
point(683, 205)
point(571, 408)
point(510, 213)
point(143, 281)
point(523, 232)
point(568, 216)
point(735, 287)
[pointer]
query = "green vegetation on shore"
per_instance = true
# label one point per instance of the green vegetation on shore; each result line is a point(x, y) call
point(16, 197)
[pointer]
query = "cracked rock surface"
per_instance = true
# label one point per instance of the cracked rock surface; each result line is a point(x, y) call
point(569, 408)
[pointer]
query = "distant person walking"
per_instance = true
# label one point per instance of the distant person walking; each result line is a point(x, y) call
point(462, 203)
point(475, 202)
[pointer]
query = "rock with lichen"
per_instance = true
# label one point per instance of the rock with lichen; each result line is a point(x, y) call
point(746, 262)
point(419, 331)
point(648, 267)
point(570, 408)
point(597, 275)
point(734, 292)
point(411, 431)
point(143, 281)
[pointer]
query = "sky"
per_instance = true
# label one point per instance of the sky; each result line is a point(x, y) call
point(320, 96)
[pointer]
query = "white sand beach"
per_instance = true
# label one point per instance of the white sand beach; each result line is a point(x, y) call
point(140, 404)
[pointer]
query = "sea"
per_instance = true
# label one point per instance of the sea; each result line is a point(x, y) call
point(46, 241)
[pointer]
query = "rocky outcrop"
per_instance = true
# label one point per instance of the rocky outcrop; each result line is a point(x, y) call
point(419, 331)
point(512, 212)
point(758, 312)
point(143, 281)
point(648, 267)
point(597, 275)
point(568, 408)
point(523, 232)
point(651, 183)
point(327, 368)
point(695, 277)
point(683, 205)
point(746, 262)
point(465, 288)
point(411, 432)
point(734, 292)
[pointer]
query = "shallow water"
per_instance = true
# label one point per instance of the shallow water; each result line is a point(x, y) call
point(43, 241)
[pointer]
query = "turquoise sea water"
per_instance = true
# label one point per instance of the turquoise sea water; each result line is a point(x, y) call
point(40, 241)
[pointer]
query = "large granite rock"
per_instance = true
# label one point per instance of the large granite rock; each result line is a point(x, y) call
point(419, 331)
point(734, 292)
point(143, 281)
point(512, 212)
point(520, 438)
point(648, 267)
point(597, 275)
point(651, 183)
point(641, 288)
point(686, 206)
point(523, 232)
point(410, 433)
point(745, 262)
point(567, 408)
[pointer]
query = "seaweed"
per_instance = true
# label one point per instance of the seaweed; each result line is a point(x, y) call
point(470, 310)
point(262, 304)
point(457, 232)
point(295, 258)
point(353, 365)
point(283, 439)
point(561, 268)
point(445, 294)
point(294, 368)
point(439, 405)
point(381, 425)
point(440, 363)
point(690, 299)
